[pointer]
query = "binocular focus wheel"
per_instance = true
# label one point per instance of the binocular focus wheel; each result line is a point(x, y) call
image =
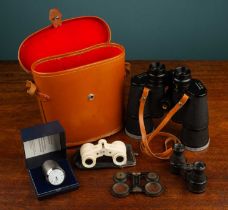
point(120, 177)
point(120, 190)
point(153, 189)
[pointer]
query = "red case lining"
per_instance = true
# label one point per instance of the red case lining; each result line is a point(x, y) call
point(76, 60)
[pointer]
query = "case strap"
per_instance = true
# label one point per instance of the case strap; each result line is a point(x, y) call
point(128, 67)
point(32, 90)
point(146, 139)
point(55, 16)
point(127, 81)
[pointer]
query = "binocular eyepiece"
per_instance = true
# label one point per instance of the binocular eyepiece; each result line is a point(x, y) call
point(193, 174)
point(166, 89)
point(156, 74)
point(182, 75)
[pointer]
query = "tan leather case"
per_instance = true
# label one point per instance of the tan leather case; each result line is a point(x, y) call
point(79, 77)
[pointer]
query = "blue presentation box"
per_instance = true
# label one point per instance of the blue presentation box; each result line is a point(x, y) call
point(47, 142)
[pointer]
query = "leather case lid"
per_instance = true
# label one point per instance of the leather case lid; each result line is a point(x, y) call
point(74, 34)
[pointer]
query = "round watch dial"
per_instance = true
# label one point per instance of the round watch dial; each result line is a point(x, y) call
point(56, 176)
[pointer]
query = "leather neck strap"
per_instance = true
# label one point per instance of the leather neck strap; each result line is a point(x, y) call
point(146, 139)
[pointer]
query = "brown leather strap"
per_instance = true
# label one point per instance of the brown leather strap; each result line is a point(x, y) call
point(128, 67)
point(32, 90)
point(127, 81)
point(55, 16)
point(169, 137)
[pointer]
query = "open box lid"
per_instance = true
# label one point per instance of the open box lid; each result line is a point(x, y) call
point(62, 37)
point(43, 142)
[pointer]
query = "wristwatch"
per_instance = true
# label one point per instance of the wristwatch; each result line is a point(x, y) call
point(54, 174)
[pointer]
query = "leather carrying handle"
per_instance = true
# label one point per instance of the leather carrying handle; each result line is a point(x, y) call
point(145, 147)
point(55, 16)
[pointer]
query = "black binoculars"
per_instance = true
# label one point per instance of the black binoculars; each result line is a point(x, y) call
point(166, 89)
point(136, 182)
point(193, 173)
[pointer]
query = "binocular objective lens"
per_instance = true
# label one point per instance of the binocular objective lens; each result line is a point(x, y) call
point(89, 161)
point(119, 159)
point(153, 188)
point(120, 189)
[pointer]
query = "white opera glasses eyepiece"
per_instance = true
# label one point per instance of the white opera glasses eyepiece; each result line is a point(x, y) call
point(90, 152)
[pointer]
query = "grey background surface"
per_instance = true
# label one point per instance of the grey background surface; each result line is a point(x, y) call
point(149, 29)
